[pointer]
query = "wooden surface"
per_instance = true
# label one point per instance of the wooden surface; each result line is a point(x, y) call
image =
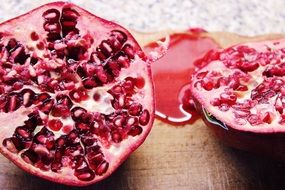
point(173, 158)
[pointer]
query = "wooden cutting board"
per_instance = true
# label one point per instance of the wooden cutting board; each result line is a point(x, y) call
point(175, 158)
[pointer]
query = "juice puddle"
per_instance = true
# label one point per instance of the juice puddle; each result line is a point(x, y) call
point(172, 75)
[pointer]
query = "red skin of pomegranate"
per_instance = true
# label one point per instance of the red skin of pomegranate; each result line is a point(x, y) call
point(269, 144)
point(251, 116)
point(76, 94)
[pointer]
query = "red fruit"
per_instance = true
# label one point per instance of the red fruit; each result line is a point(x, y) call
point(246, 111)
point(60, 118)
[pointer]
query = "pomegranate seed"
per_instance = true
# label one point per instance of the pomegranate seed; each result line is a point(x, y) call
point(87, 118)
point(224, 107)
point(3, 101)
point(222, 82)
point(88, 140)
point(23, 132)
point(67, 128)
point(68, 24)
point(41, 150)
point(101, 74)
point(201, 75)
point(144, 117)
point(92, 151)
point(13, 103)
point(61, 141)
point(56, 166)
point(95, 159)
point(34, 36)
point(242, 88)
point(30, 156)
point(207, 85)
point(128, 86)
point(49, 144)
point(60, 111)
point(139, 82)
point(89, 83)
point(82, 126)
point(124, 61)
point(77, 112)
point(102, 168)
point(234, 83)
point(253, 119)
point(11, 44)
point(228, 98)
point(78, 95)
point(52, 27)
point(51, 15)
point(73, 150)
point(84, 174)
point(216, 102)
point(46, 106)
point(55, 124)
point(73, 135)
point(13, 144)
point(135, 109)
point(134, 131)
point(129, 51)
point(130, 121)
point(105, 48)
point(33, 121)
point(40, 45)
point(115, 44)
point(116, 137)
point(119, 102)
point(70, 14)
point(28, 97)
point(78, 161)
point(119, 35)
point(96, 97)
point(42, 97)
point(116, 90)
point(267, 117)
point(249, 66)
point(18, 85)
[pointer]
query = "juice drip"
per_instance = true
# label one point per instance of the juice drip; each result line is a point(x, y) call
point(172, 76)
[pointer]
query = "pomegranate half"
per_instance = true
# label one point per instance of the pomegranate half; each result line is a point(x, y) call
point(76, 94)
point(240, 93)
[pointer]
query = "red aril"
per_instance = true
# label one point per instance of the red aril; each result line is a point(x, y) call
point(76, 94)
point(240, 95)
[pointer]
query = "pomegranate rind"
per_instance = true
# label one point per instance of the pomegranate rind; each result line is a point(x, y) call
point(270, 145)
point(28, 22)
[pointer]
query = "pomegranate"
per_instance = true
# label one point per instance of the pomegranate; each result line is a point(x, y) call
point(240, 93)
point(76, 94)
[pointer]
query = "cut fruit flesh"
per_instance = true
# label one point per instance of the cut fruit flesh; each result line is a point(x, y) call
point(63, 62)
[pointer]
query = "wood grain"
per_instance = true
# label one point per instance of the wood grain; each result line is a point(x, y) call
point(177, 158)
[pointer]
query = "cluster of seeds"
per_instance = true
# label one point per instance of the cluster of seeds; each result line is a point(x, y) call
point(248, 83)
point(59, 132)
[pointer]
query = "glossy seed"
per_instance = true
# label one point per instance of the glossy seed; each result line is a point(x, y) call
point(102, 168)
point(144, 117)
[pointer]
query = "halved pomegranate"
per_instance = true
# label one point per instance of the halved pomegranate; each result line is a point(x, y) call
point(76, 94)
point(240, 93)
